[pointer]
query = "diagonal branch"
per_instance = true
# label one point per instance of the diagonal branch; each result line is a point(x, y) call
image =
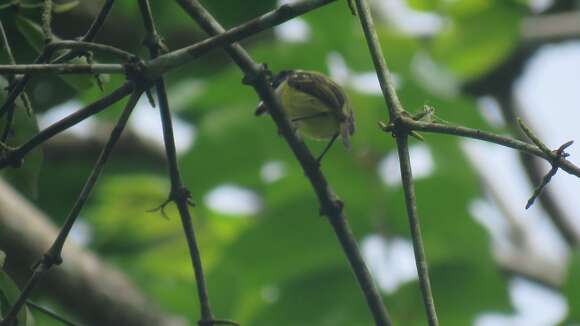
point(14, 157)
point(53, 255)
point(18, 87)
point(330, 205)
point(172, 60)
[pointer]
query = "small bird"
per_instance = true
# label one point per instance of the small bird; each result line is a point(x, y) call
point(316, 105)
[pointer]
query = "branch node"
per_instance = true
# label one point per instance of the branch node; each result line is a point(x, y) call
point(182, 194)
point(155, 42)
point(135, 71)
point(331, 209)
point(7, 158)
point(261, 71)
point(556, 157)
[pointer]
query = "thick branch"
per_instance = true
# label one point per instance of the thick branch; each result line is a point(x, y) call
point(95, 291)
point(53, 255)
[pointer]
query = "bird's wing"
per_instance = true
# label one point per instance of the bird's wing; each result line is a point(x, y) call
point(329, 94)
point(321, 88)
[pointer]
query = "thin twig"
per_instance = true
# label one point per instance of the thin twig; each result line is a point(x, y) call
point(53, 255)
point(21, 84)
point(6, 44)
point(91, 32)
point(275, 17)
point(172, 60)
point(528, 132)
point(489, 137)
point(13, 83)
point(415, 226)
point(395, 111)
point(383, 74)
point(14, 157)
point(50, 313)
point(63, 68)
point(47, 21)
point(330, 205)
point(45, 56)
point(179, 194)
point(98, 22)
point(91, 46)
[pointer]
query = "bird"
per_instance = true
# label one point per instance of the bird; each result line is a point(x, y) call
point(317, 107)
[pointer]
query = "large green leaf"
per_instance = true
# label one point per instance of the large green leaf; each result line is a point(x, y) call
point(32, 33)
point(25, 177)
point(9, 293)
point(572, 289)
point(468, 51)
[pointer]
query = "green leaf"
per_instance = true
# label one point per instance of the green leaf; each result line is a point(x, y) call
point(9, 293)
point(59, 8)
point(24, 178)
point(8, 4)
point(572, 289)
point(423, 5)
point(32, 32)
point(2, 258)
point(325, 298)
point(467, 51)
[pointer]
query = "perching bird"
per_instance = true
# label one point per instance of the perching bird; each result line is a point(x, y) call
point(316, 105)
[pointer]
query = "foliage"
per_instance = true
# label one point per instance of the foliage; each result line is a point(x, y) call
point(283, 266)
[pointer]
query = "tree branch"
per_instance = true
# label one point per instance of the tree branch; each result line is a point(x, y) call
point(54, 254)
point(15, 156)
point(330, 205)
point(396, 112)
point(564, 164)
point(95, 291)
point(63, 68)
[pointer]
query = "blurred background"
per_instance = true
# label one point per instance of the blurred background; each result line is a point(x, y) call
point(269, 258)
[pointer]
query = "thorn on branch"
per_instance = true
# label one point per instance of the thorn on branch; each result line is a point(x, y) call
point(150, 97)
point(161, 208)
point(398, 128)
point(558, 155)
point(180, 195)
point(88, 55)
